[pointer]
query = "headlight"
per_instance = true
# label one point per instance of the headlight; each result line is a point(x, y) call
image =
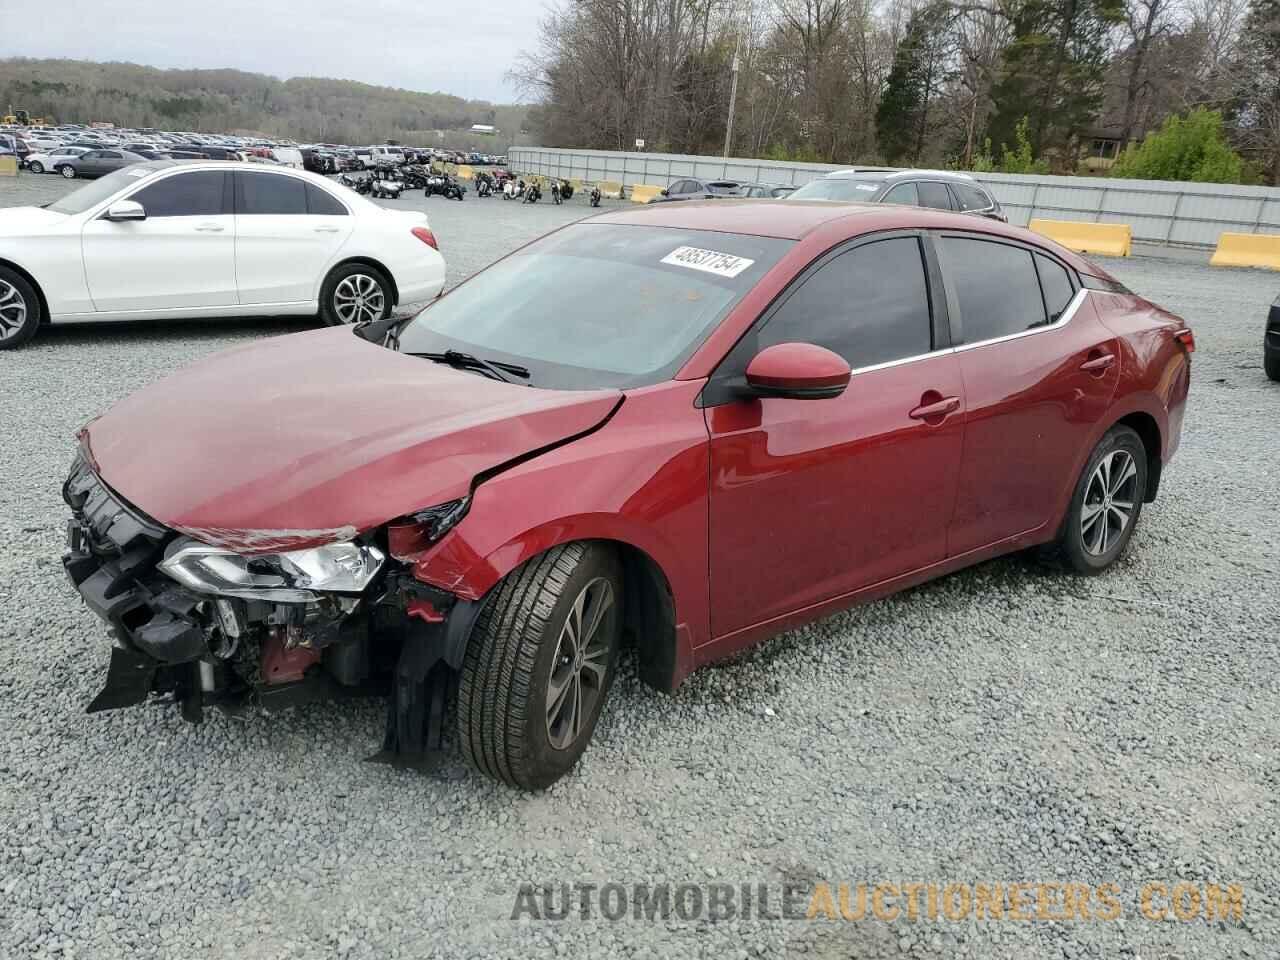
point(291, 577)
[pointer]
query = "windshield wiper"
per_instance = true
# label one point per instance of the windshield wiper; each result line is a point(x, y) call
point(466, 361)
point(385, 331)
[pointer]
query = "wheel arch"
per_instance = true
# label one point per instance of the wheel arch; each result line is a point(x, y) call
point(664, 649)
point(368, 262)
point(35, 285)
point(1148, 431)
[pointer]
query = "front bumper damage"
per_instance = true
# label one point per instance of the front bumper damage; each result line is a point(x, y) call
point(400, 638)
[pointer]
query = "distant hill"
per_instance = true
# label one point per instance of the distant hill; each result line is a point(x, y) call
point(217, 101)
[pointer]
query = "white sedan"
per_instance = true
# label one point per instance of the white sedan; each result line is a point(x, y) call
point(48, 161)
point(210, 239)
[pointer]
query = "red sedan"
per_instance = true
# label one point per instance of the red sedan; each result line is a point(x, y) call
point(687, 427)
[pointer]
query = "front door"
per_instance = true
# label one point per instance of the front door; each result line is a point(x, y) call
point(813, 499)
point(181, 256)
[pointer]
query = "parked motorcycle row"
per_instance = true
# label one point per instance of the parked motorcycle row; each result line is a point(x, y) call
point(388, 181)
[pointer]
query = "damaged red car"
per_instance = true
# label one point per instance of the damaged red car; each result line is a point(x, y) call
point(687, 428)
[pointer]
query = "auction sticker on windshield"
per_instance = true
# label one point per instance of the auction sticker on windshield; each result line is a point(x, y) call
point(708, 261)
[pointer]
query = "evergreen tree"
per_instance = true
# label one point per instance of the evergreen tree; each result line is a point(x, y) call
point(1256, 75)
point(918, 71)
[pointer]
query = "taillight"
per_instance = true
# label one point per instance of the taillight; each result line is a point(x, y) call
point(1187, 339)
point(426, 236)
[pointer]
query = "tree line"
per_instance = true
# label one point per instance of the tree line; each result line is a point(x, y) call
point(975, 84)
point(306, 109)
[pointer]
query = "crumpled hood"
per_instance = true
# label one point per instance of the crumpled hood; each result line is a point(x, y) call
point(313, 437)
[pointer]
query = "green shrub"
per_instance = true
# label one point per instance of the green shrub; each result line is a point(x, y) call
point(1185, 148)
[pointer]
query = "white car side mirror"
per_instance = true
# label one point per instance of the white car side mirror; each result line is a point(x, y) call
point(123, 210)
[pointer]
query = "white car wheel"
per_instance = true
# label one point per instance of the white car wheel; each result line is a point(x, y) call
point(35, 166)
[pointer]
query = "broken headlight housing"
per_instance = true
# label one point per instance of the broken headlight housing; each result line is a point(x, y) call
point(294, 576)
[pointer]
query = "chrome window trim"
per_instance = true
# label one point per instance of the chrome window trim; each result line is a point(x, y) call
point(1062, 321)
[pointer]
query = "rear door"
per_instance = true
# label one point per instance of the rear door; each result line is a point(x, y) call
point(287, 232)
point(181, 256)
point(1039, 370)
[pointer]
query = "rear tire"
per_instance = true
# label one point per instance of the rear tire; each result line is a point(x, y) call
point(68, 171)
point(19, 310)
point(530, 695)
point(1107, 503)
point(354, 293)
point(1271, 363)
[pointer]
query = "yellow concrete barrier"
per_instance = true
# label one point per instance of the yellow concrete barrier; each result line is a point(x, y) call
point(1108, 239)
point(611, 189)
point(1247, 250)
point(8, 166)
point(465, 172)
point(644, 192)
point(575, 183)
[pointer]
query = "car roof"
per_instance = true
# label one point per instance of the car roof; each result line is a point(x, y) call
point(895, 173)
point(789, 219)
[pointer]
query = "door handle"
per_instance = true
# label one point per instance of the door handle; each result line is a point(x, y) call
point(210, 228)
point(1098, 363)
point(326, 229)
point(939, 408)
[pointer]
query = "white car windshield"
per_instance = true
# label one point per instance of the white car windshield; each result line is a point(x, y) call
point(837, 188)
point(95, 191)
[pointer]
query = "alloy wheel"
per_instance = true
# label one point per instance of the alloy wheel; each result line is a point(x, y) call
point(1109, 502)
point(358, 298)
point(13, 310)
point(36, 167)
point(580, 664)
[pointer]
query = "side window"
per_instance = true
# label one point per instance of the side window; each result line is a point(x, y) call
point(971, 197)
point(995, 284)
point(870, 305)
point(319, 202)
point(1056, 284)
point(270, 193)
point(904, 193)
point(934, 194)
point(111, 155)
point(197, 194)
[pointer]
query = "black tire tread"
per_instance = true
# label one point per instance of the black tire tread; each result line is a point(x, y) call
point(498, 670)
point(34, 310)
point(335, 277)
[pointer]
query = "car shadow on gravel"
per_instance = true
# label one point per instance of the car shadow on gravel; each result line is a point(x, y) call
point(138, 331)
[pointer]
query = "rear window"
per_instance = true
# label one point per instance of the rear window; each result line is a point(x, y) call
point(838, 188)
point(971, 197)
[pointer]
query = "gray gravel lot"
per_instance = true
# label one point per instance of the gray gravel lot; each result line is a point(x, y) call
point(1008, 723)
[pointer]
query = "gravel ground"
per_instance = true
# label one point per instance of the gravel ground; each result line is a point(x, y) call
point(1008, 723)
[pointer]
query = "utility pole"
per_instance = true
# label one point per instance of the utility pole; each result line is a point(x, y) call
point(733, 99)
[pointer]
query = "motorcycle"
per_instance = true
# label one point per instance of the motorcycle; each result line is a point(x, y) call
point(555, 192)
point(484, 185)
point(512, 189)
point(595, 196)
point(414, 176)
point(532, 193)
point(566, 189)
point(360, 185)
point(443, 185)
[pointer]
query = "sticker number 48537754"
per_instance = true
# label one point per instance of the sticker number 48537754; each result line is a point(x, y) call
point(708, 261)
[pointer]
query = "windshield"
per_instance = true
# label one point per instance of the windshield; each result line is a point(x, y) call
point(598, 305)
point(95, 191)
point(837, 188)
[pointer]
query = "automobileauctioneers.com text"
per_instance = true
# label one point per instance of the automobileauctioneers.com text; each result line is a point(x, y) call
point(886, 901)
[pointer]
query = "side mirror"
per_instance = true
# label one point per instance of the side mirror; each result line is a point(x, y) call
point(797, 371)
point(123, 210)
point(666, 193)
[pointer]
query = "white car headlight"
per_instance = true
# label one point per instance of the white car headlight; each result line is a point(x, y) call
point(291, 577)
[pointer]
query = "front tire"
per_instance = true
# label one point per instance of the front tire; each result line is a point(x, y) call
point(1107, 502)
point(355, 293)
point(68, 171)
point(19, 310)
point(539, 665)
point(35, 166)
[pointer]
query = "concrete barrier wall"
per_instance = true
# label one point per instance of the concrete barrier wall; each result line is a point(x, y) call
point(1159, 211)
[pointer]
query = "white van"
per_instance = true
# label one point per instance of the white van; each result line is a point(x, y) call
point(289, 156)
point(386, 154)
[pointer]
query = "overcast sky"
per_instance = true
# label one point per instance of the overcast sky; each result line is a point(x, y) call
point(430, 45)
